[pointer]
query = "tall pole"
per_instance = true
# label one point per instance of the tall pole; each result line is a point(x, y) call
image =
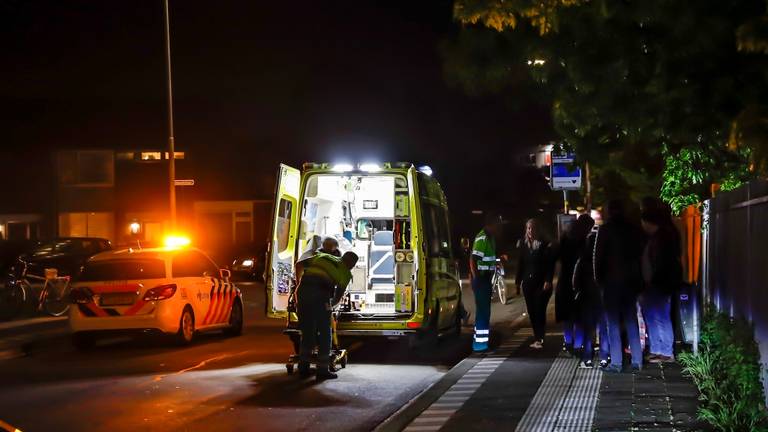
point(588, 183)
point(171, 146)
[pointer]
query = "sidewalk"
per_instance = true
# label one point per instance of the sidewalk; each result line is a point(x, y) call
point(517, 388)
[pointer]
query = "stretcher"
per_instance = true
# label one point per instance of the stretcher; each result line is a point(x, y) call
point(339, 357)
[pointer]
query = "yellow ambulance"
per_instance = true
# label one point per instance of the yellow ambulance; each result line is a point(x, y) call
point(394, 216)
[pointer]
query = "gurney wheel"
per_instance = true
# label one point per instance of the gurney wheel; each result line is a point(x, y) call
point(343, 362)
point(289, 368)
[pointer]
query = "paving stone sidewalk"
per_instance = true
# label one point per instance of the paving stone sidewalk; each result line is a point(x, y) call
point(659, 398)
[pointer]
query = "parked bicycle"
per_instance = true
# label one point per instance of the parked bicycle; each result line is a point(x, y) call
point(498, 283)
point(21, 290)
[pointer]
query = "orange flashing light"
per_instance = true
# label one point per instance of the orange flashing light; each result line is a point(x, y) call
point(176, 241)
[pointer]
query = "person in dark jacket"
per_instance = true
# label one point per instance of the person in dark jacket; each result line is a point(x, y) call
point(662, 274)
point(534, 275)
point(589, 303)
point(566, 311)
point(618, 248)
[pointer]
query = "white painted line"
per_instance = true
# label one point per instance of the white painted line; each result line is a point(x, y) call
point(430, 419)
point(446, 405)
point(438, 411)
point(422, 428)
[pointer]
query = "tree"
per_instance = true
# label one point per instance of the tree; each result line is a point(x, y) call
point(634, 86)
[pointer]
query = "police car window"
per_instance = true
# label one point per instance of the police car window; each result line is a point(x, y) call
point(135, 269)
point(188, 264)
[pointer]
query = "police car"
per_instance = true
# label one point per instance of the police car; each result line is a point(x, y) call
point(175, 290)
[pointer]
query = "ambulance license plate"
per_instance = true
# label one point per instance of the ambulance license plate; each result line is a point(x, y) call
point(393, 333)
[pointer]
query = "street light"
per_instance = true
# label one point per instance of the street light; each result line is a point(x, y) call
point(171, 146)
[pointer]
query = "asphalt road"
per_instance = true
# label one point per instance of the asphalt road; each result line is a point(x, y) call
point(218, 383)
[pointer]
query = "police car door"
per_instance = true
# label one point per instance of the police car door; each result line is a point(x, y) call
point(282, 245)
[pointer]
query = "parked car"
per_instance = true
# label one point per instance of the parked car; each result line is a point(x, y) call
point(176, 291)
point(66, 254)
point(249, 264)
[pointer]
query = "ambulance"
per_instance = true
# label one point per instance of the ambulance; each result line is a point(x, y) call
point(394, 216)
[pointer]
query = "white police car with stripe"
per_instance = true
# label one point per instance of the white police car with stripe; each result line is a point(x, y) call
point(176, 291)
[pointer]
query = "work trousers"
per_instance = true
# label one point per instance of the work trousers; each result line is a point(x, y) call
point(536, 301)
point(621, 310)
point(314, 310)
point(481, 287)
point(657, 312)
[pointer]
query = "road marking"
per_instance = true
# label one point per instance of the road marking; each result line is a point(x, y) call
point(566, 399)
point(464, 388)
point(199, 365)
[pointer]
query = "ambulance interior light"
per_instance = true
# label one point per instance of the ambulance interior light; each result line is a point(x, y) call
point(343, 167)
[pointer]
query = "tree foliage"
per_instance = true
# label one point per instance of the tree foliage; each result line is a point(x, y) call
point(635, 87)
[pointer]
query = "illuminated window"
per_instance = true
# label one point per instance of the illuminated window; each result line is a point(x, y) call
point(125, 155)
point(151, 156)
point(177, 155)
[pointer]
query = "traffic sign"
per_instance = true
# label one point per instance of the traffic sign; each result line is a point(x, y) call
point(184, 182)
point(565, 175)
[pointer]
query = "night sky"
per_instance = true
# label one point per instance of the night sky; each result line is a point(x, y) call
point(257, 83)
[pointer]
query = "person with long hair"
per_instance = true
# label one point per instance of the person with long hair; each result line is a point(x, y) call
point(534, 275)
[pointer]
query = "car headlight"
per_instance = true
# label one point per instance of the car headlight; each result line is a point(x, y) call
point(248, 263)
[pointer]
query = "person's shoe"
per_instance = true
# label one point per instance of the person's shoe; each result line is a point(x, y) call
point(537, 345)
point(568, 348)
point(635, 368)
point(603, 364)
point(325, 374)
point(586, 364)
point(657, 358)
point(612, 369)
point(304, 371)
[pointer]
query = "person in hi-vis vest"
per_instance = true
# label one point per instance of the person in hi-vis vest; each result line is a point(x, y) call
point(482, 265)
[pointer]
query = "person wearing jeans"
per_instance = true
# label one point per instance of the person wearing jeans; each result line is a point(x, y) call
point(662, 274)
point(616, 267)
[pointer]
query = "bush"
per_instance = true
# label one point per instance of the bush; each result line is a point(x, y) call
point(727, 372)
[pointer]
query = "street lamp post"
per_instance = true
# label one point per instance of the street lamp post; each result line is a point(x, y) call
point(171, 144)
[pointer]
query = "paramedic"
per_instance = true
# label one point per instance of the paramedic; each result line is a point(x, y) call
point(482, 265)
point(323, 282)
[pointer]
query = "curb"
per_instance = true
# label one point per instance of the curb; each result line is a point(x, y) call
point(401, 418)
point(35, 324)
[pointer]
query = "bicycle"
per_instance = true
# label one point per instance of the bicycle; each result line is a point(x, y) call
point(19, 291)
point(499, 286)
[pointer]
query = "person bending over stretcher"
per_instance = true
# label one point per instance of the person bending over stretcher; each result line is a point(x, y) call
point(322, 282)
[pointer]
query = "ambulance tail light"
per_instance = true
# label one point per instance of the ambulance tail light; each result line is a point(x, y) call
point(80, 295)
point(161, 292)
point(413, 324)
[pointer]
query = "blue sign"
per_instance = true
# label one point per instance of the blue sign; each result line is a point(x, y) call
point(565, 175)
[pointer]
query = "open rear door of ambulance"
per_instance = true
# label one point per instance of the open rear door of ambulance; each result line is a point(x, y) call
point(282, 244)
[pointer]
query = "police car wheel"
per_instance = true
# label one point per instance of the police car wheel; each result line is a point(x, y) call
point(235, 320)
point(186, 327)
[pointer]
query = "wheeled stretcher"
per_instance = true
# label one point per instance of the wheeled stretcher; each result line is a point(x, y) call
point(339, 357)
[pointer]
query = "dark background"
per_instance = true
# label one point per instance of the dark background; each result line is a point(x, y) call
point(258, 83)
